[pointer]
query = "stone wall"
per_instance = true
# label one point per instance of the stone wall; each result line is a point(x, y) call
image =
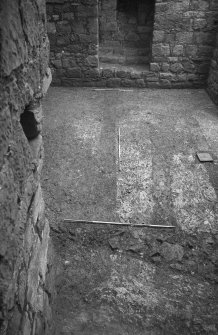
point(213, 75)
point(73, 34)
point(183, 41)
point(125, 31)
point(24, 79)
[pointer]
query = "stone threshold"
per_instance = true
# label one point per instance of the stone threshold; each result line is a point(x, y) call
point(124, 71)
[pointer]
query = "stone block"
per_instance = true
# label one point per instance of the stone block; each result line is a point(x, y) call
point(22, 286)
point(185, 37)
point(152, 79)
point(203, 5)
point(176, 67)
point(199, 23)
point(63, 27)
point(83, 38)
point(166, 75)
point(158, 36)
point(182, 77)
point(84, 11)
point(44, 250)
point(173, 59)
point(111, 26)
point(74, 73)
point(122, 74)
point(170, 38)
point(191, 76)
point(46, 82)
point(51, 28)
point(165, 67)
point(38, 206)
point(178, 50)
point(194, 14)
point(140, 83)
point(204, 38)
point(161, 7)
point(63, 40)
point(92, 73)
point(191, 50)
point(26, 325)
point(214, 5)
point(154, 67)
point(92, 61)
point(69, 63)
point(101, 83)
point(69, 16)
point(134, 75)
point(36, 146)
point(165, 83)
point(179, 6)
point(159, 50)
point(114, 82)
point(15, 322)
point(93, 26)
point(79, 28)
point(127, 82)
point(172, 252)
point(203, 68)
point(107, 73)
point(55, 17)
point(205, 51)
point(57, 63)
point(151, 84)
point(188, 66)
point(131, 36)
point(13, 45)
point(5, 132)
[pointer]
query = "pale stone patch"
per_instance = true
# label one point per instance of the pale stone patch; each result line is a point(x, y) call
point(134, 182)
point(192, 194)
point(89, 131)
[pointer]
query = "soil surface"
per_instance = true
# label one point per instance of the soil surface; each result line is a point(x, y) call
point(132, 280)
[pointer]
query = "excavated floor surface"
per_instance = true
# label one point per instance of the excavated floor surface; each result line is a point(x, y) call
point(130, 280)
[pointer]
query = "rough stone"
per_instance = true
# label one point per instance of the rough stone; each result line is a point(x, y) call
point(114, 82)
point(154, 67)
point(25, 78)
point(140, 83)
point(172, 252)
point(107, 73)
point(176, 67)
point(92, 61)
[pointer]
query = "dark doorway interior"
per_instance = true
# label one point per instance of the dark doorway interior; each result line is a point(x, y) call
point(125, 31)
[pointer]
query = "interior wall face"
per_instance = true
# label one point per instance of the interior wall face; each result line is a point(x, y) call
point(213, 75)
point(125, 31)
point(24, 79)
point(183, 40)
point(73, 33)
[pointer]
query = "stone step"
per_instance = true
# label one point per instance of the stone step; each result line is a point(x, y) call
point(137, 60)
point(112, 59)
point(136, 51)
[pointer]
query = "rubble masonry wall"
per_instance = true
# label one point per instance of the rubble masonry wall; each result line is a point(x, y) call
point(182, 45)
point(24, 79)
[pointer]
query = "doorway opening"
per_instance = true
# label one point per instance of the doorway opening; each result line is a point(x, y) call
point(125, 32)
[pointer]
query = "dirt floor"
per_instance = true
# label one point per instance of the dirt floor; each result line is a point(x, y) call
point(130, 280)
